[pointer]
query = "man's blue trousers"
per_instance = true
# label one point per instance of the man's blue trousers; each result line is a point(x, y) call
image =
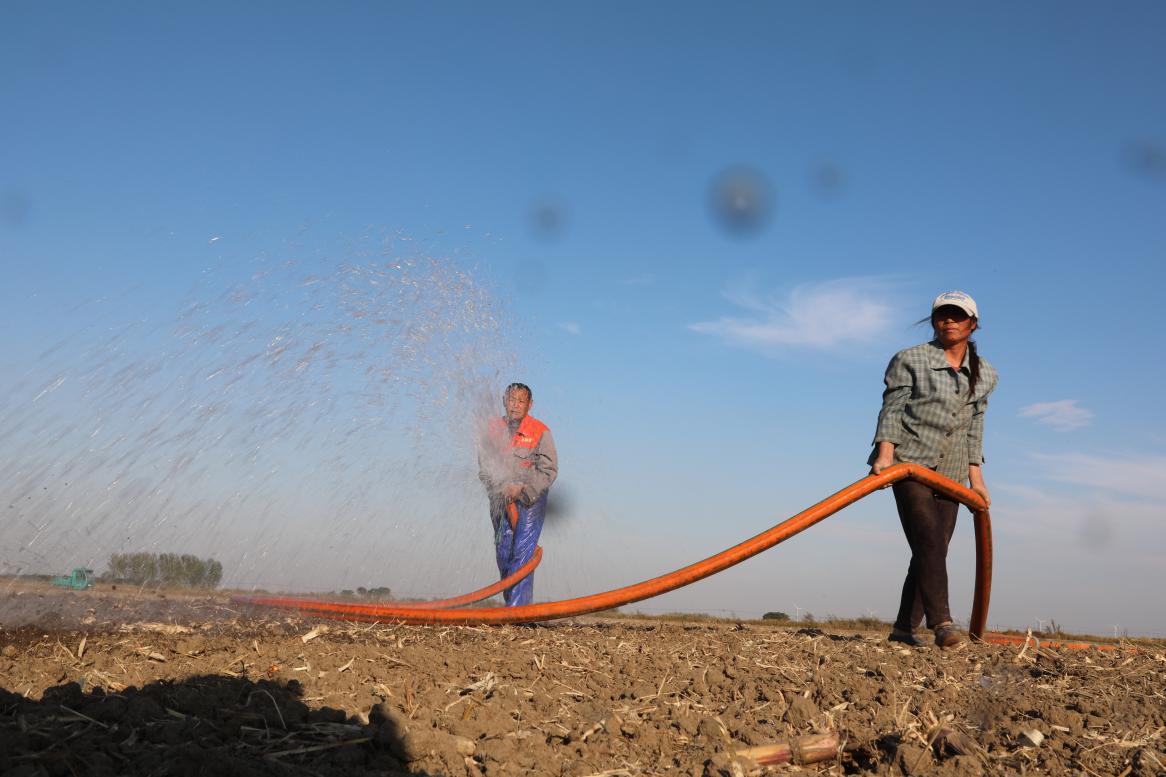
point(514, 547)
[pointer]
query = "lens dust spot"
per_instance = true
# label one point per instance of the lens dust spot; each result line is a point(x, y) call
point(14, 209)
point(828, 180)
point(1147, 159)
point(1097, 532)
point(548, 219)
point(741, 201)
point(560, 505)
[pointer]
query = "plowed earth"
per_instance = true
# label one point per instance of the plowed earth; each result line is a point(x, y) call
point(104, 684)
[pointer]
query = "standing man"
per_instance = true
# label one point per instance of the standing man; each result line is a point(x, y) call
point(517, 464)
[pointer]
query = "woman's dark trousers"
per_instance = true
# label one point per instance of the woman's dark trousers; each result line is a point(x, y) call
point(928, 521)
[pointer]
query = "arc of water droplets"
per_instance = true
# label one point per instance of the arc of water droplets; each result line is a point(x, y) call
point(290, 402)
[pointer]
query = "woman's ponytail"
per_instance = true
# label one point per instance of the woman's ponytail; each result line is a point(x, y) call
point(974, 367)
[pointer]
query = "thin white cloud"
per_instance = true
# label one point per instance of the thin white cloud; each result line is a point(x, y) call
point(1064, 415)
point(1135, 474)
point(825, 315)
point(570, 327)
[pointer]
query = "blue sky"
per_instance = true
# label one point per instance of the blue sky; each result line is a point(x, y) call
point(702, 383)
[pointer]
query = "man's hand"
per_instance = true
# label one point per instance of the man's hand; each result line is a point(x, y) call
point(512, 491)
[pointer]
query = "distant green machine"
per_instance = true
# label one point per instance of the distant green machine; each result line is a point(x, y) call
point(79, 579)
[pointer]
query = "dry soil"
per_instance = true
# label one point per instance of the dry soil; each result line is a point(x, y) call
point(110, 683)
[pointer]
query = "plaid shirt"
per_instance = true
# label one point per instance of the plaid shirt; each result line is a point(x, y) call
point(928, 414)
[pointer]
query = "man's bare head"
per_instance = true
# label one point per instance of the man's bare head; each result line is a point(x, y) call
point(517, 401)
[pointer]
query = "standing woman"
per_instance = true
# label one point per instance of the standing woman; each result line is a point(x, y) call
point(933, 415)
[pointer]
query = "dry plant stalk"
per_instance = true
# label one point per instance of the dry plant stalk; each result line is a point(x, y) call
point(809, 749)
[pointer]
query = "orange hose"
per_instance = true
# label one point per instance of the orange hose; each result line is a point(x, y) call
point(681, 577)
point(995, 638)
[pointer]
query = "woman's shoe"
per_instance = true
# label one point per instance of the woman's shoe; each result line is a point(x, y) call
point(948, 635)
point(906, 637)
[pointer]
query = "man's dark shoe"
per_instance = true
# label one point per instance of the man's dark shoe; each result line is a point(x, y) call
point(906, 637)
point(948, 635)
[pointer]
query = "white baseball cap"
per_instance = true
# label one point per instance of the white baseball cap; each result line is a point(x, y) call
point(956, 299)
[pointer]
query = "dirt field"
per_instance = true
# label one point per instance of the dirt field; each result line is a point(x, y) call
point(110, 684)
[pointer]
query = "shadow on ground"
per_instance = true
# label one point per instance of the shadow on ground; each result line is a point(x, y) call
point(205, 725)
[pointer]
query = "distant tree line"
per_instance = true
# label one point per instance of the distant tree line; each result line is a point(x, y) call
point(165, 569)
point(380, 593)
